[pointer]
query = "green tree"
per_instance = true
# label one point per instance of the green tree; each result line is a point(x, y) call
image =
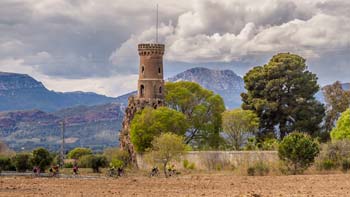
point(337, 100)
point(238, 125)
point(78, 152)
point(41, 158)
point(298, 152)
point(152, 122)
point(282, 93)
point(166, 148)
point(95, 162)
point(21, 161)
point(202, 109)
point(342, 130)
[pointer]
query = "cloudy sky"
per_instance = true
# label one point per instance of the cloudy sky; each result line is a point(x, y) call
point(90, 45)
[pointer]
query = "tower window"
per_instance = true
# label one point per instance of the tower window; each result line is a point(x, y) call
point(159, 70)
point(160, 90)
point(143, 70)
point(142, 90)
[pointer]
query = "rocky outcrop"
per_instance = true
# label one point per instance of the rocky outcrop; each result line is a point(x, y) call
point(134, 105)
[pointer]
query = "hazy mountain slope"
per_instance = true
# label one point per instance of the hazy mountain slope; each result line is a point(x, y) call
point(22, 92)
point(223, 82)
point(95, 126)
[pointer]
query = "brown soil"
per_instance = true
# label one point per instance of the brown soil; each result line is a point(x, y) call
point(186, 185)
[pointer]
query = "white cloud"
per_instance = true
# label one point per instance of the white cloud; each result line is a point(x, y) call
point(92, 45)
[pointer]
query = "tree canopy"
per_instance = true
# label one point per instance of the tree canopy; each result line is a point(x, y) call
point(150, 123)
point(282, 93)
point(166, 148)
point(342, 129)
point(78, 152)
point(238, 124)
point(202, 109)
point(337, 100)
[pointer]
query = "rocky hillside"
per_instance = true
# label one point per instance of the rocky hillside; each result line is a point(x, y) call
point(22, 92)
point(95, 126)
point(224, 82)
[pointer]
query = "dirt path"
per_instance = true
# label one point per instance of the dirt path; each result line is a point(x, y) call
point(189, 185)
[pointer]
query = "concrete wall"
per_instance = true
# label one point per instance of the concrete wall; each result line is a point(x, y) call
point(207, 160)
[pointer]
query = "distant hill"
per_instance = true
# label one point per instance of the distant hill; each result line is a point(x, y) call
point(22, 92)
point(223, 82)
point(88, 126)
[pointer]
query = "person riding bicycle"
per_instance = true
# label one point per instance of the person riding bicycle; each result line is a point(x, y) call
point(154, 171)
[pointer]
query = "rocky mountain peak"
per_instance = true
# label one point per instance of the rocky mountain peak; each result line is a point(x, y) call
point(14, 81)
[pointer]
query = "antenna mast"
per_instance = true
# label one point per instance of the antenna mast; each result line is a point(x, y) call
point(157, 27)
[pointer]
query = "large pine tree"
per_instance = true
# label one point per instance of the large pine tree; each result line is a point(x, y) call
point(282, 94)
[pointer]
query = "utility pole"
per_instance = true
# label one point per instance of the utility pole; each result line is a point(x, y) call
point(63, 129)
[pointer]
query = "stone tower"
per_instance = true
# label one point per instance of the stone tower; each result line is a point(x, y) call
point(150, 91)
point(151, 82)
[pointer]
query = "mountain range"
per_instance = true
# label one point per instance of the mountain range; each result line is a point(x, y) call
point(31, 115)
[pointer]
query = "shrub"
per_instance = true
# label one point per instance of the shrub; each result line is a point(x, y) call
point(95, 162)
point(85, 161)
point(117, 154)
point(6, 164)
point(78, 152)
point(166, 148)
point(116, 163)
point(298, 152)
point(21, 162)
point(345, 165)
point(333, 154)
point(269, 144)
point(188, 165)
point(68, 165)
point(342, 129)
point(41, 158)
point(259, 168)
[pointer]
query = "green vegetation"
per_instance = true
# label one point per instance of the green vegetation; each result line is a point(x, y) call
point(95, 162)
point(202, 109)
point(282, 93)
point(166, 148)
point(41, 158)
point(78, 152)
point(333, 155)
point(298, 152)
point(258, 169)
point(151, 123)
point(342, 130)
point(338, 100)
point(21, 162)
point(117, 158)
point(238, 124)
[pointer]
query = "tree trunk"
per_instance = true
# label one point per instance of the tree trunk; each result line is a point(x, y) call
point(164, 168)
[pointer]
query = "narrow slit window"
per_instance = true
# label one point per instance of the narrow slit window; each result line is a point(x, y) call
point(142, 90)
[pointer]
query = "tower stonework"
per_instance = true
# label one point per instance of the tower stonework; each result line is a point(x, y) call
point(150, 91)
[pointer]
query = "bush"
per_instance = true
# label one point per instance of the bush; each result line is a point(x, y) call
point(21, 162)
point(68, 165)
point(298, 151)
point(85, 161)
point(6, 164)
point(333, 155)
point(117, 154)
point(78, 152)
point(116, 163)
point(41, 158)
point(188, 165)
point(95, 162)
point(342, 129)
point(345, 165)
point(259, 168)
point(269, 144)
